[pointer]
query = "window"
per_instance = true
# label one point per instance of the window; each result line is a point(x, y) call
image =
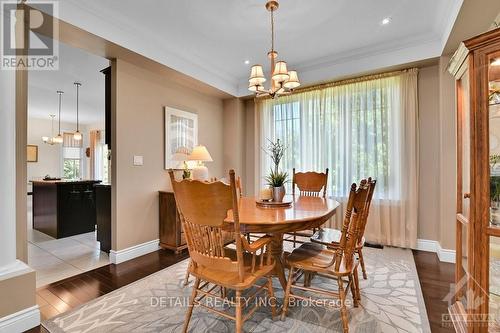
point(72, 157)
point(349, 129)
point(359, 129)
point(71, 168)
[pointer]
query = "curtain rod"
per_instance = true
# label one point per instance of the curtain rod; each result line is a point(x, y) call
point(347, 81)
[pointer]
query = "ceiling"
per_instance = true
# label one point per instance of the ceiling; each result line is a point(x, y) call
point(322, 39)
point(74, 65)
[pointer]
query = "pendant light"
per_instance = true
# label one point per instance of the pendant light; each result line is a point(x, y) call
point(46, 139)
point(77, 136)
point(59, 137)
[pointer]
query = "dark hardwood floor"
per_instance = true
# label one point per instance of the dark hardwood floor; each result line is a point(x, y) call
point(435, 278)
point(66, 294)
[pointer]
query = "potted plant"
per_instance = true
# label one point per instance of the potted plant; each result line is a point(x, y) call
point(276, 178)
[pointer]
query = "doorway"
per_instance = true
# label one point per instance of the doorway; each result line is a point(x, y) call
point(62, 174)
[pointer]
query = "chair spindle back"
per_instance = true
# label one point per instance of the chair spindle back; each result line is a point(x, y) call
point(366, 212)
point(203, 206)
point(310, 183)
point(351, 225)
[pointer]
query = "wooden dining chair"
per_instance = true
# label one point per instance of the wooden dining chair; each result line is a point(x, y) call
point(339, 264)
point(203, 206)
point(309, 184)
point(331, 237)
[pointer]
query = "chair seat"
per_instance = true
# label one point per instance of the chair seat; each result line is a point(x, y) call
point(314, 257)
point(331, 238)
point(231, 280)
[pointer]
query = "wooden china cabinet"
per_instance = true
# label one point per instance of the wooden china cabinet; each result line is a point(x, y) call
point(475, 304)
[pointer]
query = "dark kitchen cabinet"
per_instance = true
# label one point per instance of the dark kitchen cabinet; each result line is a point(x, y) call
point(64, 208)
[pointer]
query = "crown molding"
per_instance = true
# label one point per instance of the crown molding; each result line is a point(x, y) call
point(119, 30)
point(445, 26)
point(128, 36)
point(352, 64)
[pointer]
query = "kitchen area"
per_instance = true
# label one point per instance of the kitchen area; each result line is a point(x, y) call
point(68, 153)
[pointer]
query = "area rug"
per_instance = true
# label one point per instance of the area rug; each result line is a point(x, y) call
point(391, 302)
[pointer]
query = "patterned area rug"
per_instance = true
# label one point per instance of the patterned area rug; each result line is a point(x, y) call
point(391, 302)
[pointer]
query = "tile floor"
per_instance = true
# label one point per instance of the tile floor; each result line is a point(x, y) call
point(57, 259)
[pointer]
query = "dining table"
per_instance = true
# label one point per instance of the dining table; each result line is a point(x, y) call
point(303, 213)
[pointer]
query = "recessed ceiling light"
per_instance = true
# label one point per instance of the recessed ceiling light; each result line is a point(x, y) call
point(386, 21)
point(247, 62)
point(495, 62)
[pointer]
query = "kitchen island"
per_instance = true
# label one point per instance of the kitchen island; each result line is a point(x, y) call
point(63, 208)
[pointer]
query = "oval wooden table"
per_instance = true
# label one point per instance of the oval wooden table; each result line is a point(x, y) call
point(304, 213)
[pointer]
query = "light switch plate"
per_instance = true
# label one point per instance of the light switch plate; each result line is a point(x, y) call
point(138, 160)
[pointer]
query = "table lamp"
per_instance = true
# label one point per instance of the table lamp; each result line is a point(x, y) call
point(200, 154)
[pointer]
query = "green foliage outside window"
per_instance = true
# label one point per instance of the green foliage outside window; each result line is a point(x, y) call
point(71, 168)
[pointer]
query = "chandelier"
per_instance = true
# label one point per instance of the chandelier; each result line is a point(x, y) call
point(283, 81)
point(50, 140)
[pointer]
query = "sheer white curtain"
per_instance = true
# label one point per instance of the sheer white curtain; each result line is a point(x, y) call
point(96, 155)
point(357, 130)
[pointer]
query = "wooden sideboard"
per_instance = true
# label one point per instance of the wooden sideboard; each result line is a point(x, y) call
point(171, 233)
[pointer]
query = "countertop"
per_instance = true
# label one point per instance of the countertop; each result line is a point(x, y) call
point(65, 181)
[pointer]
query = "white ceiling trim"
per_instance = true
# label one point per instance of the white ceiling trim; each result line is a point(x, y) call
point(115, 29)
point(361, 63)
point(447, 24)
point(131, 38)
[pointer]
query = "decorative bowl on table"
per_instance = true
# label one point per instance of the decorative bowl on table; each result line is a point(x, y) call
point(273, 204)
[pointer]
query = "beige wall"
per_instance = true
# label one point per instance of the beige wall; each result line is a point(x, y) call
point(239, 141)
point(437, 182)
point(250, 147)
point(18, 292)
point(139, 130)
point(21, 167)
point(448, 155)
point(234, 136)
point(428, 101)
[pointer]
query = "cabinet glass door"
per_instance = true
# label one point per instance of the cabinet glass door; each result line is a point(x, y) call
point(494, 138)
point(463, 187)
point(494, 190)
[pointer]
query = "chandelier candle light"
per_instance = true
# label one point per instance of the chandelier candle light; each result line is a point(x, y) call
point(77, 136)
point(283, 81)
point(50, 140)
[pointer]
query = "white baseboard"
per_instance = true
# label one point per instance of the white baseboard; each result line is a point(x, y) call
point(132, 252)
point(20, 321)
point(444, 255)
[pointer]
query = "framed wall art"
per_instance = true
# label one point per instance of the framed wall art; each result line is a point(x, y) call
point(181, 136)
point(32, 153)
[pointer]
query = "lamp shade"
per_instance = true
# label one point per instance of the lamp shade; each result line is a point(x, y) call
point(77, 136)
point(257, 75)
point(200, 153)
point(255, 87)
point(293, 80)
point(280, 73)
point(58, 139)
